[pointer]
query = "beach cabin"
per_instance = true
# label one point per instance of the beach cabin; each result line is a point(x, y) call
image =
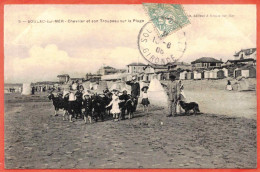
point(183, 75)
point(197, 75)
point(247, 72)
point(190, 75)
point(220, 74)
point(206, 74)
point(237, 73)
point(212, 74)
point(225, 70)
point(252, 72)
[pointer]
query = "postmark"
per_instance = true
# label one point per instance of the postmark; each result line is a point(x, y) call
point(160, 51)
point(167, 18)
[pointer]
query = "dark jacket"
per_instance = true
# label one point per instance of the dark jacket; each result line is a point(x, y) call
point(87, 104)
point(135, 88)
point(98, 104)
point(125, 98)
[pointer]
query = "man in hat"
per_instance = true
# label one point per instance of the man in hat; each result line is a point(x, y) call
point(135, 90)
point(173, 92)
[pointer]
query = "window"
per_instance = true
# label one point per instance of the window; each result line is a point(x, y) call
point(212, 64)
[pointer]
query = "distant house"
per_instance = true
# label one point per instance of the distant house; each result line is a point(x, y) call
point(107, 70)
point(154, 68)
point(93, 77)
point(243, 61)
point(206, 62)
point(151, 70)
point(80, 80)
point(179, 65)
point(134, 68)
point(163, 71)
point(243, 57)
point(8, 87)
point(246, 54)
point(63, 78)
point(45, 84)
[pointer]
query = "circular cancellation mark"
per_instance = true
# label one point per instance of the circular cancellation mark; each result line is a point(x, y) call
point(161, 51)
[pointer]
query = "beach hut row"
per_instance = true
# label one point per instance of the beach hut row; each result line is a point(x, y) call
point(196, 75)
point(246, 71)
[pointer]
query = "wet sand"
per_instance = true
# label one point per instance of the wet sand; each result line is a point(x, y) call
point(35, 139)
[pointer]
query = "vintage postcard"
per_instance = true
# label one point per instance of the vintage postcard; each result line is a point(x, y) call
point(130, 86)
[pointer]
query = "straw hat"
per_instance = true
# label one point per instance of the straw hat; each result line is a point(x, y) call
point(144, 88)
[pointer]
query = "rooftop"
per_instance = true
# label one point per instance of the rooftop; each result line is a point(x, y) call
point(157, 66)
point(178, 63)
point(93, 74)
point(63, 75)
point(246, 51)
point(206, 60)
point(242, 60)
point(107, 67)
point(136, 64)
point(76, 78)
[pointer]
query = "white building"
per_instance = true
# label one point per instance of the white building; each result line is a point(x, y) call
point(246, 54)
point(134, 68)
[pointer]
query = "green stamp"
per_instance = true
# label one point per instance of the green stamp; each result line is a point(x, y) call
point(166, 17)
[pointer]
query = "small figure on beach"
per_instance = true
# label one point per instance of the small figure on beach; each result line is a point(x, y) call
point(145, 101)
point(33, 90)
point(229, 86)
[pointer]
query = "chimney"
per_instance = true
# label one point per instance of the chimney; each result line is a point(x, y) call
point(220, 59)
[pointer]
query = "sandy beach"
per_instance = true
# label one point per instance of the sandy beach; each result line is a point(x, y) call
point(36, 139)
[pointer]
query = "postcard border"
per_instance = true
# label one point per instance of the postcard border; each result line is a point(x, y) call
point(28, 2)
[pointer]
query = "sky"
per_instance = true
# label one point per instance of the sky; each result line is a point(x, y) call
point(41, 51)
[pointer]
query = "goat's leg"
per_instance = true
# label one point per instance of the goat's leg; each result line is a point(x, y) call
point(129, 114)
point(102, 116)
point(85, 119)
point(90, 119)
point(119, 116)
point(55, 113)
point(64, 113)
point(70, 118)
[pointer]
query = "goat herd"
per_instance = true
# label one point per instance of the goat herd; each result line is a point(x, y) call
point(92, 106)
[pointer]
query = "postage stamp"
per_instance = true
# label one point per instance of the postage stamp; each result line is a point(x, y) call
point(166, 17)
point(160, 51)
